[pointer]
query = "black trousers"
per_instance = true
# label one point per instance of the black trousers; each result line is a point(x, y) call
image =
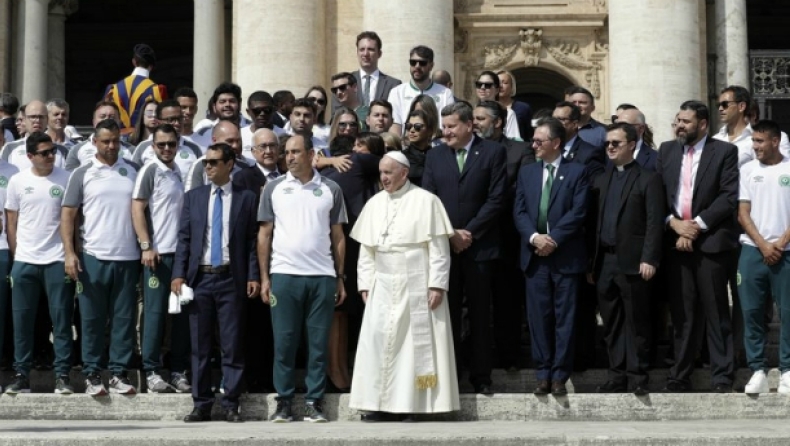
point(508, 304)
point(258, 347)
point(699, 299)
point(473, 280)
point(624, 302)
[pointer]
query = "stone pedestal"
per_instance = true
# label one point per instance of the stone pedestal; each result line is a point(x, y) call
point(209, 51)
point(286, 52)
point(34, 56)
point(731, 45)
point(408, 24)
point(655, 58)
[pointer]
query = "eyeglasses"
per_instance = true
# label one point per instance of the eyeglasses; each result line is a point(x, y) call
point(725, 104)
point(343, 125)
point(539, 142)
point(318, 101)
point(614, 143)
point(415, 62)
point(417, 126)
point(46, 153)
point(36, 117)
point(212, 162)
point(260, 110)
point(339, 88)
point(484, 85)
point(172, 119)
point(266, 146)
point(167, 144)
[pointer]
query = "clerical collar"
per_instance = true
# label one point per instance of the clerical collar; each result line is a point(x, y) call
point(402, 191)
point(625, 167)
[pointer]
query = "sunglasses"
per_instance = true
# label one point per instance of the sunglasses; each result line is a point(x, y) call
point(614, 144)
point(417, 127)
point(212, 162)
point(318, 101)
point(725, 104)
point(415, 62)
point(339, 88)
point(172, 120)
point(344, 125)
point(261, 110)
point(46, 153)
point(167, 144)
point(484, 85)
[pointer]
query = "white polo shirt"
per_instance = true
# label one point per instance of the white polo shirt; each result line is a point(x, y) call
point(16, 153)
point(187, 153)
point(302, 216)
point(37, 200)
point(742, 141)
point(403, 95)
point(163, 188)
point(86, 151)
point(105, 195)
point(6, 172)
point(767, 188)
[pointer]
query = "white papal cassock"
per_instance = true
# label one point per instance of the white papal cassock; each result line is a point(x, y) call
point(405, 361)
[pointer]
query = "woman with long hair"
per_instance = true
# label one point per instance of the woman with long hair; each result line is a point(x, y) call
point(146, 125)
point(420, 128)
point(317, 96)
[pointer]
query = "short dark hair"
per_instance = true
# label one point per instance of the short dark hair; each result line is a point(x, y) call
point(555, 127)
point(34, 139)
point(9, 103)
point(167, 129)
point(462, 109)
point(700, 109)
point(631, 134)
point(575, 89)
point(492, 75)
point(495, 111)
point(260, 96)
point(422, 51)
point(626, 106)
point(144, 55)
point(374, 143)
point(381, 103)
point(167, 103)
point(740, 94)
point(112, 104)
point(304, 103)
point(771, 128)
point(369, 35)
point(227, 151)
point(108, 124)
point(281, 96)
point(227, 88)
point(307, 138)
point(342, 145)
point(576, 112)
point(345, 75)
point(185, 92)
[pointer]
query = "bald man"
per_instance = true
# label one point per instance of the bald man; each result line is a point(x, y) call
point(36, 120)
point(644, 154)
point(224, 132)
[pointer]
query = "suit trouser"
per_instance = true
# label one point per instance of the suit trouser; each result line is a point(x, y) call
point(301, 303)
point(5, 299)
point(756, 282)
point(216, 303)
point(259, 346)
point(551, 309)
point(29, 282)
point(624, 301)
point(508, 304)
point(699, 300)
point(106, 291)
point(472, 279)
point(156, 296)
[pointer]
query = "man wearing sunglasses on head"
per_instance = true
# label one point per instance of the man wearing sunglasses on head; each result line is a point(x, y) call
point(187, 152)
point(260, 108)
point(401, 97)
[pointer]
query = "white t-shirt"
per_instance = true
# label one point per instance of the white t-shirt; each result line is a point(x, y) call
point(767, 188)
point(743, 142)
point(163, 188)
point(402, 96)
point(188, 152)
point(37, 200)
point(86, 151)
point(105, 195)
point(16, 153)
point(6, 172)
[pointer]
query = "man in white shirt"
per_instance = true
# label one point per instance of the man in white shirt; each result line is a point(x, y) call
point(734, 102)
point(36, 120)
point(33, 208)
point(261, 109)
point(86, 151)
point(188, 100)
point(187, 152)
point(227, 107)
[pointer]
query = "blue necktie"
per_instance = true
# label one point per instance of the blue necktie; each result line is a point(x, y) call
point(216, 231)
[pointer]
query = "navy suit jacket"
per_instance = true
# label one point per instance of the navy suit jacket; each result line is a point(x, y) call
point(473, 198)
point(593, 158)
point(243, 235)
point(647, 157)
point(566, 217)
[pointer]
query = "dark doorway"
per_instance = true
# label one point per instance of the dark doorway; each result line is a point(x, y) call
point(540, 87)
point(99, 41)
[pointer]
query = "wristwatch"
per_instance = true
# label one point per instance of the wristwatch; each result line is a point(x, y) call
point(145, 246)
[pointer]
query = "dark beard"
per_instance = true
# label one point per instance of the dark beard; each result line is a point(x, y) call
point(690, 136)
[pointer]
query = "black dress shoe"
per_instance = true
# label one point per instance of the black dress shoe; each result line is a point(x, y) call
point(558, 388)
point(676, 387)
point(722, 388)
point(198, 416)
point(543, 388)
point(641, 390)
point(233, 416)
point(377, 417)
point(612, 387)
point(484, 389)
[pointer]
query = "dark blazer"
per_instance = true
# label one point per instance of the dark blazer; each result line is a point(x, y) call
point(566, 217)
point(9, 124)
point(593, 158)
point(640, 219)
point(519, 153)
point(715, 195)
point(647, 157)
point(251, 179)
point(244, 230)
point(358, 184)
point(474, 198)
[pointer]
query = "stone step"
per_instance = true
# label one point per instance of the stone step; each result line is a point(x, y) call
point(502, 433)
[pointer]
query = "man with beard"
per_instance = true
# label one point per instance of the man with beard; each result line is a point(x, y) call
point(401, 97)
point(700, 178)
point(260, 108)
point(187, 152)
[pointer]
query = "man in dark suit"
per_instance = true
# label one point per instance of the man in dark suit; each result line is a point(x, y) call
point(644, 154)
point(216, 257)
point(700, 178)
point(549, 212)
point(509, 289)
point(258, 339)
point(629, 216)
point(468, 175)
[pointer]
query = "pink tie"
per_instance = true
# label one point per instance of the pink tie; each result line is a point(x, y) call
point(685, 206)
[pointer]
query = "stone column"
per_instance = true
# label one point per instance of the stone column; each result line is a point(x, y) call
point(283, 53)
point(5, 39)
point(34, 58)
point(405, 24)
point(655, 58)
point(56, 47)
point(209, 50)
point(731, 45)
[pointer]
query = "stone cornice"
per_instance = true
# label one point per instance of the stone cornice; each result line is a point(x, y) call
point(486, 20)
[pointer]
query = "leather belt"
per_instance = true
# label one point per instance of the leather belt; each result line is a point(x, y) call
point(609, 249)
point(208, 269)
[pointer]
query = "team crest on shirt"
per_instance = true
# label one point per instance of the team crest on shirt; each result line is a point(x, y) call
point(79, 287)
point(55, 192)
point(29, 190)
point(758, 179)
point(3, 181)
point(184, 155)
point(272, 300)
point(318, 192)
point(123, 172)
point(153, 282)
point(784, 180)
point(288, 190)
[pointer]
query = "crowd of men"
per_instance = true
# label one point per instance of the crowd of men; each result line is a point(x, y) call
point(246, 232)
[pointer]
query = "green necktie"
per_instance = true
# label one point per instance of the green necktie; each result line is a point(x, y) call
point(460, 156)
point(543, 211)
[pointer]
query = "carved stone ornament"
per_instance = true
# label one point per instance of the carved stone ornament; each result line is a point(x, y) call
point(770, 73)
point(531, 43)
point(569, 55)
point(497, 54)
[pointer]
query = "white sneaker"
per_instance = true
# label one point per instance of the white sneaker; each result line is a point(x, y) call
point(156, 384)
point(94, 386)
point(121, 384)
point(784, 383)
point(757, 384)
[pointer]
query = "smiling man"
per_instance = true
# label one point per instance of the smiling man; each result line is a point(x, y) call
point(734, 102)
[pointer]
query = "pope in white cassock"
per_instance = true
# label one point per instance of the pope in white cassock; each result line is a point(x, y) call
point(405, 360)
